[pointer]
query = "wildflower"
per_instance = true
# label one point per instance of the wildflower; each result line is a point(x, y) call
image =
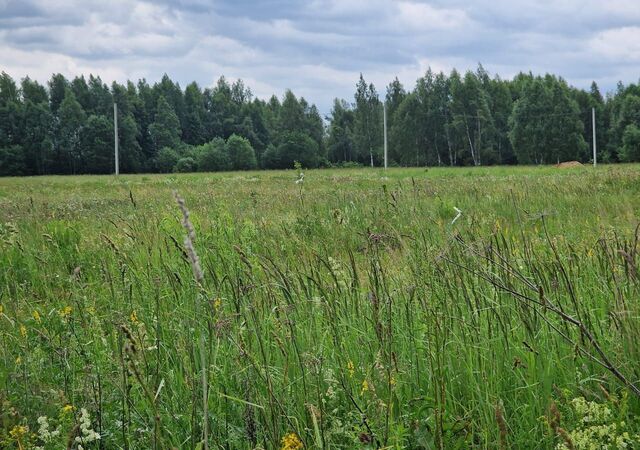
point(365, 386)
point(217, 302)
point(18, 431)
point(134, 317)
point(36, 315)
point(351, 369)
point(44, 434)
point(87, 434)
point(67, 408)
point(291, 441)
point(1, 308)
point(18, 360)
point(65, 312)
point(392, 381)
point(23, 331)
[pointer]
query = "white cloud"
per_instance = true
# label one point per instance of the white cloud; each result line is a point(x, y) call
point(422, 16)
point(40, 65)
point(318, 48)
point(619, 44)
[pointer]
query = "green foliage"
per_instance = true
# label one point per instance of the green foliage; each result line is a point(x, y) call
point(71, 119)
point(367, 123)
point(545, 124)
point(340, 142)
point(12, 161)
point(445, 119)
point(213, 156)
point(165, 129)
point(630, 144)
point(185, 165)
point(166, 160)
point(295, 146)
point(597, 424)
point(194, 130)
point(37, 141)
point(241, 153)
point(96, 140)
point(344, 311)
point(130, 153)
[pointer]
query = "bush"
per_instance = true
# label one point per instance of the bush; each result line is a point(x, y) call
point(185, 165)
point(630, 144)
point(12, 161)
point(212, 156)
point(241, 153)
point(296, 146)
point(166, 159)
point(270, 158)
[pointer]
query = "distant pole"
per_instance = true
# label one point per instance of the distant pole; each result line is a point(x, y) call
point(115, 135)
point(384, 115)
point(593, 123)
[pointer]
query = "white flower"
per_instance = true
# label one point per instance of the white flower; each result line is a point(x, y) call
point(87, 433)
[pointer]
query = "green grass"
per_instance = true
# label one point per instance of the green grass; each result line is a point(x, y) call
point(348, 310)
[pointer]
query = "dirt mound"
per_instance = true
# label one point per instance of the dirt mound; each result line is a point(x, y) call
point(569, 164)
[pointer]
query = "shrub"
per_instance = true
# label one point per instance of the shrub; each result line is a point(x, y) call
point(630, 144)
point(212, 156)
point(296, 146)
point(242, 155)
point(166, 159)
point(185, 165)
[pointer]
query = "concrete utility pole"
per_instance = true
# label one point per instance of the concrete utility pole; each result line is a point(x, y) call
point(115, 135)
point(384, 115)
point(593, 122)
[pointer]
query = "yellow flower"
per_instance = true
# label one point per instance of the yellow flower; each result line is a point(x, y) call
point(67, 408)
point(65, 312)
point(392, 381)
point(18, 431)
point(217, 303)
point(134, 317)
point(18, 360)
point(1, 308)
point(291, 441)
point(23, 331)
point(36, 315)
point(365, 386)
point(351, 369)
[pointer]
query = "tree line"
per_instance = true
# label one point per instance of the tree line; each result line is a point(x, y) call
point(66, 126)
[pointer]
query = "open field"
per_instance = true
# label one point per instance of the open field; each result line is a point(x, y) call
point(347, 311)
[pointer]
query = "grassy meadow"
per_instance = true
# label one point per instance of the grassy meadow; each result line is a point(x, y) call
point(344, 311)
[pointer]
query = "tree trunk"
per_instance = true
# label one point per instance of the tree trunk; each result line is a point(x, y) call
point(435, 143)
point(479, 141)
point(449, 146)
point(473, 153)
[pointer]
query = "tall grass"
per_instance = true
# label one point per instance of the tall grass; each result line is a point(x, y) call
point(346, 311)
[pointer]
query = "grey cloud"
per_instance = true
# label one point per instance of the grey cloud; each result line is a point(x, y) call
point(319, 47)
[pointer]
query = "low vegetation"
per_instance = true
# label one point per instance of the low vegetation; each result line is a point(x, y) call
point(352, 308)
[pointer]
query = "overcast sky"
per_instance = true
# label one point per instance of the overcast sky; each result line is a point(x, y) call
point(317, 48)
